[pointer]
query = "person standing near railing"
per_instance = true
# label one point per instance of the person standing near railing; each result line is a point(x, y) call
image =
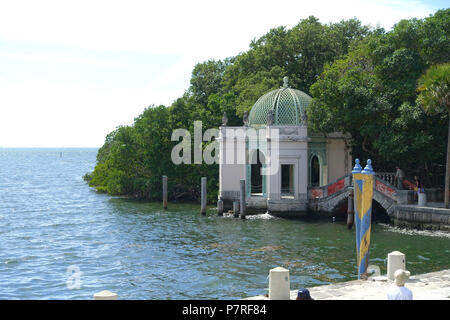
point(399, 176)
point(417, 188)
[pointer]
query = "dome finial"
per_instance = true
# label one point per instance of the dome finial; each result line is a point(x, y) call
point(285, 82)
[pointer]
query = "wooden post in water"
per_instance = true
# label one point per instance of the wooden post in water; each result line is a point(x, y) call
point(242, 198)
point(203, 200)
point(219, 207)
point(350, 210)
point(164, 183)
point(235, 208)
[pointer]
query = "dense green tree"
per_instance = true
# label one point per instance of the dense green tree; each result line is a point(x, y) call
point(370, 93)
point(206, 79)
point(434, 38)
point(363, 81)
point(434, 97)
point(299, 53)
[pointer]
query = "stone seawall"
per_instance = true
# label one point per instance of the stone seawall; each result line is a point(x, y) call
point(428, 218)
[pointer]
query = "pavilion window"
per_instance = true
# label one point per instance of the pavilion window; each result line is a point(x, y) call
point(287, 179)
point(315, 171)
point(256, 177)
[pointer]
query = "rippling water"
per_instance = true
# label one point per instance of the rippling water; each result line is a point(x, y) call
point(50, 220)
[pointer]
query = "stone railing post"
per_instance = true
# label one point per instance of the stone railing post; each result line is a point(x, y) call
point(396, 260)
point(105, 295)
point(279, 284)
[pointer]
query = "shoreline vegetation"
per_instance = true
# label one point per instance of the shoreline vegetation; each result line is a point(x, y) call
point(363, 81)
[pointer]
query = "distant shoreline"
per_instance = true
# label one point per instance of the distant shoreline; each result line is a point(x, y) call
point(50, 148)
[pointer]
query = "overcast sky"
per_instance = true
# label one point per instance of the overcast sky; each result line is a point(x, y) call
point(70, 72)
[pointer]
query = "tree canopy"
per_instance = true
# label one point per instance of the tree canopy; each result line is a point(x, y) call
point(371, 93)
point(434, 97)
point(363, 81)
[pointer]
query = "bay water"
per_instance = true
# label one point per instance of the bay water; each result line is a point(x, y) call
point(60, 239)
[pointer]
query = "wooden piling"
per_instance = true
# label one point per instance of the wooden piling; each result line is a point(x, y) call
point(220, 208)
point(350, 210)
point(164, 183)
point(203, 200)
point(235, 208)
point(242, 198)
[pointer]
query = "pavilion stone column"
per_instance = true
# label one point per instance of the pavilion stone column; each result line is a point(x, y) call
point(222, 155)
point(303, 159)
point(273, 179)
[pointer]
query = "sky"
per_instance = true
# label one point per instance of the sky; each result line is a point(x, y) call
point(72, 71)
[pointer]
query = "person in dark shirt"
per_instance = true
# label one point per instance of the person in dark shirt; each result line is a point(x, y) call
point(303, 294)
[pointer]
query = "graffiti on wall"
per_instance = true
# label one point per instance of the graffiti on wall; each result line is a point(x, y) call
point(384, 189)
point(337, 186)
point(316, 193)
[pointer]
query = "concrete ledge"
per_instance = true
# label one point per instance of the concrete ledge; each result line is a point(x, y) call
point(405, 196)
point(429, 286)
point(415, 208)
point(290, 214)
point(256, 202)
point(287, 205)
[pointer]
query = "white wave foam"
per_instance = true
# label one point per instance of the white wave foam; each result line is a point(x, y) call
point(429, 233)
point(264, 216)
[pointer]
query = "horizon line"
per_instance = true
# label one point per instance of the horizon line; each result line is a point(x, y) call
point(1, 147)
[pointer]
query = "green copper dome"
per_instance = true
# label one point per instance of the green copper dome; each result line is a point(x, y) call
point(288, 107)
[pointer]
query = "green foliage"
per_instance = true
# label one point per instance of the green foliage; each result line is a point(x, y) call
point(434, 37)
point(363, 81)
point(434, 88)
point(371, 93)
point(434, 97)
point(299, 53)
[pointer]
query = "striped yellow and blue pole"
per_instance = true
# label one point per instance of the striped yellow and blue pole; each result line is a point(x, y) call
point(363, 194)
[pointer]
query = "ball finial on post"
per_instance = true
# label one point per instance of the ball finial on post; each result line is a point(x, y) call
point(368, 169)
point(357, 168)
